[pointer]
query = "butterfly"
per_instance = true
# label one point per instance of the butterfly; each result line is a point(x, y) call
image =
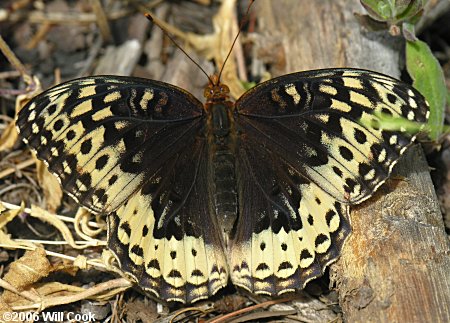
point(255, 191)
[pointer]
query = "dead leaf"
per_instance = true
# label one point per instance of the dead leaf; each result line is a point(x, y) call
point(52, 219)
point(28, 269)
point(56, 289)
point(25, 271)
point(9, 137)
point(4, 308)
point(217, 45)
point(8, 215)
point(137, 310)
point(50, 185)
point(5, 239)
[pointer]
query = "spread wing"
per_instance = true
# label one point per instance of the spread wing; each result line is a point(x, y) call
point(134, 149)
point(303, 158)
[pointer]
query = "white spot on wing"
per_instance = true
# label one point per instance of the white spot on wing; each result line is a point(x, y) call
point(328, 89)
point(393, 140)
point(412, 103)
point(292, 91)
point(382, 156)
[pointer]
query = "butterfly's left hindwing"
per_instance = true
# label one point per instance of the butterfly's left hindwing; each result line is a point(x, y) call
point(135, 149)
point(303, 157)
point(172, 245)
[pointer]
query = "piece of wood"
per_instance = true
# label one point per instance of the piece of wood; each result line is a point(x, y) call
point(395, 266)
point(119, 60)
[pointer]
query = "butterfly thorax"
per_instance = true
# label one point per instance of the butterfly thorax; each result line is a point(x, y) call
point(221, 136)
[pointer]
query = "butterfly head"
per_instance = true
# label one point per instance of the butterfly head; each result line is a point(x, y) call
point(216, 91)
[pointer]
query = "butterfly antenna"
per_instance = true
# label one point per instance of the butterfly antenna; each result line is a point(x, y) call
point(241, 25)
point(153, 20)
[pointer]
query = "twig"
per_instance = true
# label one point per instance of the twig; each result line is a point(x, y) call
point(92, 262)
point(19, 166)
point(64, 18)
point(25, 294)
point(9, 74)
point(116, 285)
point(40, 34)
point(61, 217)
point(11, 57)
point(227, 317)
point(102, 20)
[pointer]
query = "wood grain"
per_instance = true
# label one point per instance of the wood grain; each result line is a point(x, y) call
point(395, 267)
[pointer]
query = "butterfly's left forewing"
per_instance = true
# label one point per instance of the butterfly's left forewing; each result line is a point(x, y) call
point(303, 156)
point(101, 135)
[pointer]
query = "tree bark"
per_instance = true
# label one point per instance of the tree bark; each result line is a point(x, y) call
point(395, 265)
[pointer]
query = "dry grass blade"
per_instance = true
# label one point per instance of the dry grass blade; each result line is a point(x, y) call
point(190, 313)
point(21, 292)
point(20, 166)
point(64, 18)
point(10, 211)
point(102, 291)
point(50, 186)
point(254, 317)
point(84, 228)
point(12, 58)
point(24, 294)
point(102, 20)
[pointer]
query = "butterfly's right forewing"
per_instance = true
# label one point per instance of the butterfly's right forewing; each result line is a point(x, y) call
point(304, 155)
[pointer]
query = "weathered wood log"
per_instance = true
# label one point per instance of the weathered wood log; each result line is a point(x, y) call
point(396, 265)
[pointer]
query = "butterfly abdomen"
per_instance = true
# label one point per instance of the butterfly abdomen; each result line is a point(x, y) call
point(221, 140)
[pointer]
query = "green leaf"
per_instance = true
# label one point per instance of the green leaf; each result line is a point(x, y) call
point(411, 11)
point(409, 31)
point(393, 123)
point(395, 12)
point(378, 10)
point(248, 85)
point(428, 78)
